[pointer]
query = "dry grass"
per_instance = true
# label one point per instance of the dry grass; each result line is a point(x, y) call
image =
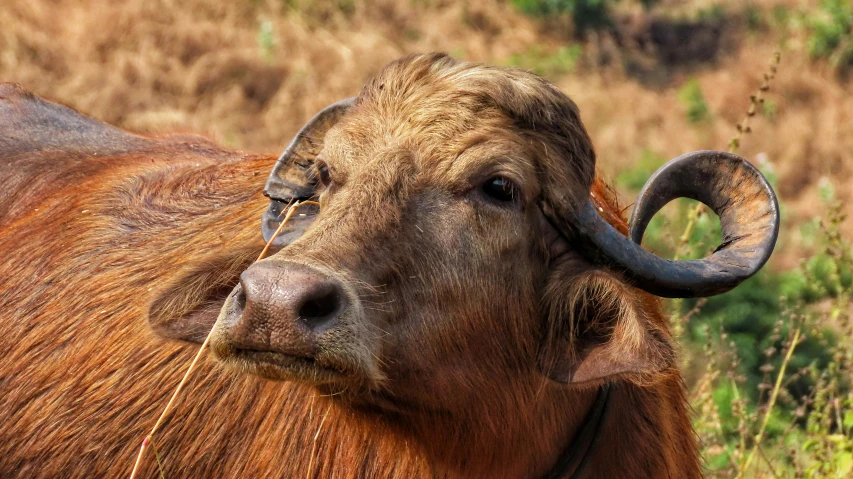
point(248, 73)
point(149, 440)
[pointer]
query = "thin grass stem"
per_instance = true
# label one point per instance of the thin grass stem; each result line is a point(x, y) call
point(772, 403)
point(148, 440)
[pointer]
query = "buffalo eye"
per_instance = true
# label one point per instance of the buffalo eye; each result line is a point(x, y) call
point(323, 174)
point(501, 189)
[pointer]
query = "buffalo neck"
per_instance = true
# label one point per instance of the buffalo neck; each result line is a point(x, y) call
point(647, 433)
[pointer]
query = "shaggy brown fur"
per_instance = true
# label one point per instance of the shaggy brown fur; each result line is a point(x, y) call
point(467, 303)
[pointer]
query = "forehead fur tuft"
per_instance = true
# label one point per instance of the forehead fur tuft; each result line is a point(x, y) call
point(431, 88)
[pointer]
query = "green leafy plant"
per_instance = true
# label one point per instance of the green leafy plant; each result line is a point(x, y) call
point(694, 102)
point(587, 15)
point(753, 18)
point(648, 4)
point(771, 362)
point(635, 177)
point(549, 64)
point(266, 40)
point(830, 37)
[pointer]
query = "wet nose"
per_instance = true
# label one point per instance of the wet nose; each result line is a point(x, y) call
point(282, 307)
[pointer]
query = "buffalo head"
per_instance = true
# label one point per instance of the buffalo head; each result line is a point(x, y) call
point(457, 248)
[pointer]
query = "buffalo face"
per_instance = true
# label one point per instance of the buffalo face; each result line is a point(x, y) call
point(458, 248)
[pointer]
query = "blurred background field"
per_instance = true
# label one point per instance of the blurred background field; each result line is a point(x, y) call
point(770, 365)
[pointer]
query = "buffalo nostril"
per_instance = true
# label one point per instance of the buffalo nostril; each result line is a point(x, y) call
point(240, 298)
point(321, 306)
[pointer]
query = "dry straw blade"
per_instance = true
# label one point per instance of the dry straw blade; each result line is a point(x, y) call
point(149, 439)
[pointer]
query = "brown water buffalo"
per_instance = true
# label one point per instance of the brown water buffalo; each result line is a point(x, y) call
point(465, 303)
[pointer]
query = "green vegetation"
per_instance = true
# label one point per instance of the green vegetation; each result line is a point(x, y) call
point(772, 360)
point(587, 15)
point(690, 95)
point(753, 17)
point(266, 40)
point(635, 177)
point(828, 28)
point(548, 64)
point(648, 4)
point(830, 34)
point(713, 13)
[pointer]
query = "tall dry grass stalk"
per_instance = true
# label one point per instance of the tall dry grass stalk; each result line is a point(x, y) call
point(756, 446)
point(743, 128)
point(782, 435)
point(149, 439)
point(752, 426)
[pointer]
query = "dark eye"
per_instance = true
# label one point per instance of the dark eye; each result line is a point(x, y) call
point(323, 174)
point(501, 189)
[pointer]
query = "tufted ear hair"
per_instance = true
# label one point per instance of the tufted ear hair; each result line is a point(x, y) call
point(599, 328)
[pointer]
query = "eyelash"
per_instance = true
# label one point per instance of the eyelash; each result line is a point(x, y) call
point(501, 189)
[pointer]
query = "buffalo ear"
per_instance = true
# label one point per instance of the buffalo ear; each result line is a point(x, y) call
point(186, 307)
point(599, 328)
point(292, 177)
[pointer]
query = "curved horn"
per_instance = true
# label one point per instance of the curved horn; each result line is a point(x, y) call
point(734, 189)
point(290, 177)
